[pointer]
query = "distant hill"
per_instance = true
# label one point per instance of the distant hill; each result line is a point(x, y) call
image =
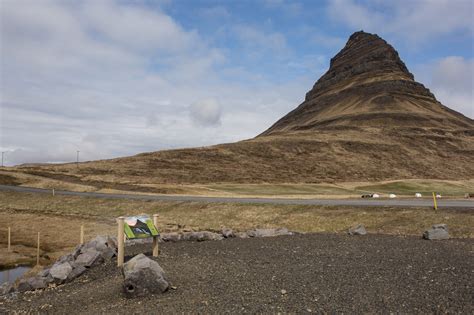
point(365, 119)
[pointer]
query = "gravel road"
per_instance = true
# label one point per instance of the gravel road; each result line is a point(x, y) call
point(286, 274)
point(442, 203)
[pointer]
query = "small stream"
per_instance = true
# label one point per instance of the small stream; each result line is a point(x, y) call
point(10, 275)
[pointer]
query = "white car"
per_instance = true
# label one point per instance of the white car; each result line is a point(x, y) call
point(418, 195)
point(392, 196)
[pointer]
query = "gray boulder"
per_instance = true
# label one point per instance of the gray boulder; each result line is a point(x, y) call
point(76, 272)
point(23, 286)
point(437, 232)
point(227, 233)
point(357, 230)
point(89, 258)
point(39, 282)
point(60, 271)
point(142, 276)
point(6, 288)
point(241, 235)
point(170, 237)
point(201, 236)
point(268, 232)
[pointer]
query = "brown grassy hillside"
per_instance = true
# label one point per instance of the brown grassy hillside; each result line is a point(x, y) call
point(366, 119)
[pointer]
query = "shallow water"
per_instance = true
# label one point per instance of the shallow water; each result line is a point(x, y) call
point(10, 275)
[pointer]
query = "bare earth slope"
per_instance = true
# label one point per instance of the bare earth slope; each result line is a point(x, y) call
point(365, 119)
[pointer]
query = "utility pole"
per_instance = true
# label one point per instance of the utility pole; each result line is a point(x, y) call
point(77, 158)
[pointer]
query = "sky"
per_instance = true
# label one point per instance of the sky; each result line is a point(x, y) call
point(116, 78)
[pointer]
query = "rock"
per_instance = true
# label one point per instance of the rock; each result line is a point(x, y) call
point(23, 286)
point(418, 195)
point(392, 196)
point(108, 253)
point(142, 276)
point(89, 258)
point(241, 235)
point(60, 271)
point(39, 282)
point(201, 236)
point(437, 232)
point(227, 233)
point(6, 288)
point(43, 273)
point(76, 272)
point(357, 230)
point(170, 237)
point(66, 258)
point(268, 232)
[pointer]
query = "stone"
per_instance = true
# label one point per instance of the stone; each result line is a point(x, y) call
point(268, 232)
point(241, 235)
point(23, 286)
point(108, 253)
point(76, 272)
point(60, 271)
point(143, 276)
point(66, 258)
point(170, 237)
point(227, 233)
point(39, 282)
point(44, 272)
point(89, 258)
point(201, 236)
point(357, 230)
point(6, 288)
point(437, 232)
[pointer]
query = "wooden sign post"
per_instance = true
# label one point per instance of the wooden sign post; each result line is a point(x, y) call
point(120, 241)
point(136, 227)
point(155, 238)
point(9, 239)
point(38, 250)
point(82, 235)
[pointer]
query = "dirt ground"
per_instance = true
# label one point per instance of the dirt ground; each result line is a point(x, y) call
point(290, 274)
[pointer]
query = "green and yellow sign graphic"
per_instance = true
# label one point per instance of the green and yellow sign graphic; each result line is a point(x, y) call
point(139, 227)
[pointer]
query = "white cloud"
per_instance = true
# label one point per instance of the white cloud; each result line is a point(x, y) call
point(452, 83)
point(112, 79)
point(206, 112)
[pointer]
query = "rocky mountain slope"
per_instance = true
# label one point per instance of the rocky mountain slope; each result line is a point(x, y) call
point(365, 119)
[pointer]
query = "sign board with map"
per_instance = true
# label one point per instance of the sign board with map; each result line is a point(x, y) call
point(139, 227)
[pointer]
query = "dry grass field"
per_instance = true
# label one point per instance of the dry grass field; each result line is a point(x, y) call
point(59, 218)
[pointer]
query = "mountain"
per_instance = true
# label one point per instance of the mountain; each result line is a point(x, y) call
point(365, 119)
point(368, 85)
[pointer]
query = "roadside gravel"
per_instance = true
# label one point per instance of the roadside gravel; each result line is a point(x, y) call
point(286, 274)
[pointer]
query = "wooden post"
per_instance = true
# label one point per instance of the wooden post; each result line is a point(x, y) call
point(120, 241)
point(434, 202)
point(82, 234)
point(53, 192)
point(155, 238)
point(38, 250)
point(9, 238)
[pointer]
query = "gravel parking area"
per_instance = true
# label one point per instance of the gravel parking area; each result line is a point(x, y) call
point(286, 274)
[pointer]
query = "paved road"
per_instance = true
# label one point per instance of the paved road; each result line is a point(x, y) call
point(465, 204)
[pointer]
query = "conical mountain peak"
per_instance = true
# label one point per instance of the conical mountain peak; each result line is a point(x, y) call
point(368, 85)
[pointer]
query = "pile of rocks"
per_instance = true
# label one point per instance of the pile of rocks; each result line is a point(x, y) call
point(224, 233)
point(68, 267)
